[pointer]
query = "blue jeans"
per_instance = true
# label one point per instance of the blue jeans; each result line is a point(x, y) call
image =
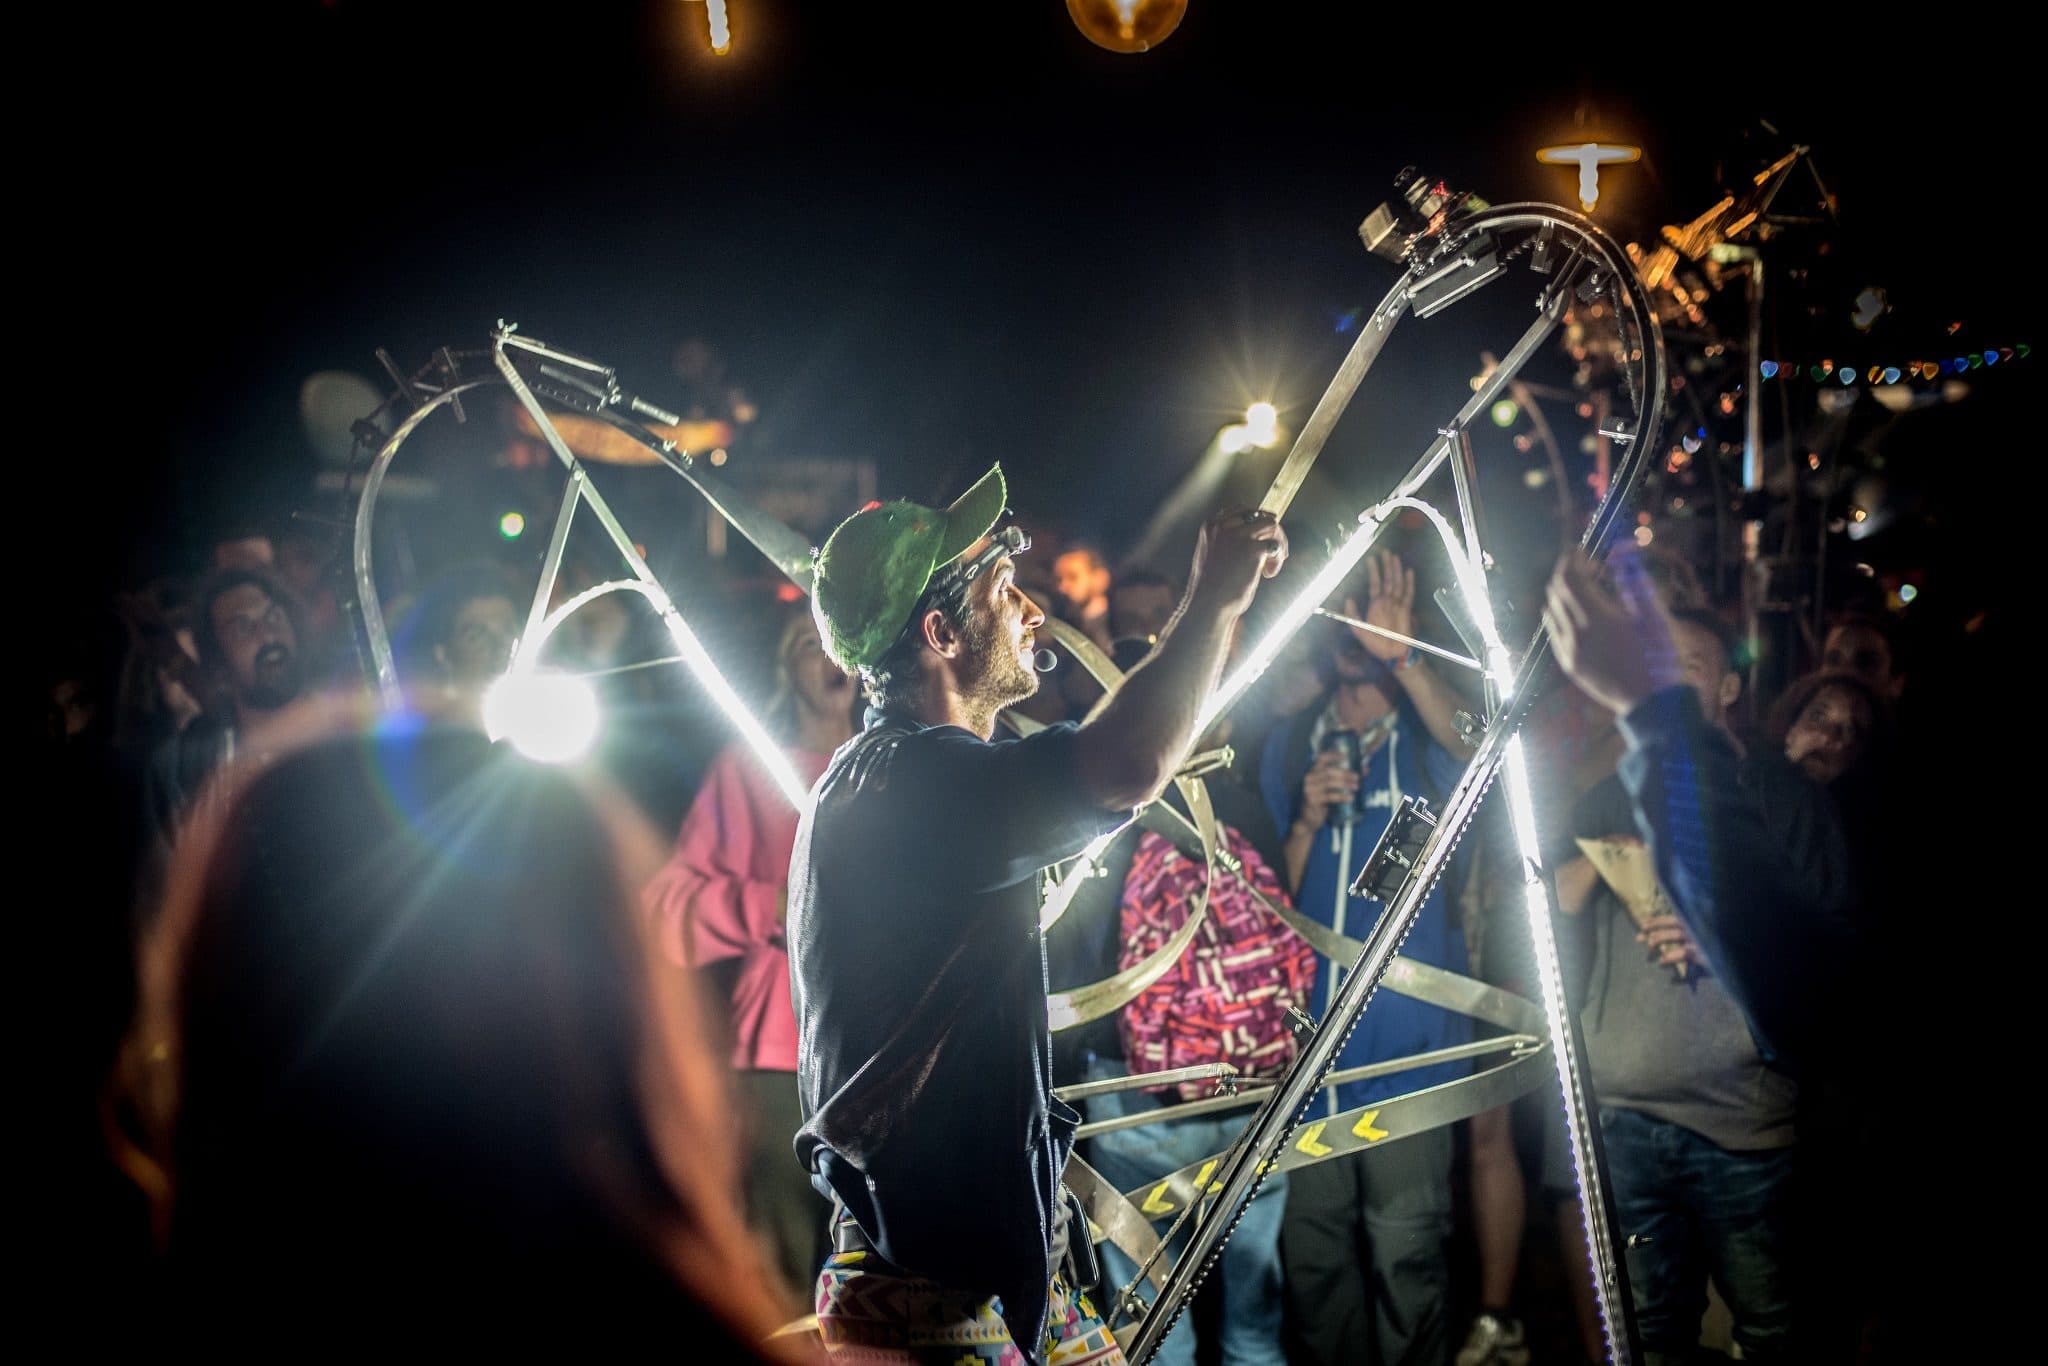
point(1690, 1209)
point(1250, 1265)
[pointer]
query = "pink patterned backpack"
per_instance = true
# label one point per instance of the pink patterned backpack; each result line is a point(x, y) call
point(1226, 998)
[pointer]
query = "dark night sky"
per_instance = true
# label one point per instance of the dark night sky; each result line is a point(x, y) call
point(930, 240)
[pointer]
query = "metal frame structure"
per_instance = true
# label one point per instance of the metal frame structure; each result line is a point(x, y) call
point(1453, 254)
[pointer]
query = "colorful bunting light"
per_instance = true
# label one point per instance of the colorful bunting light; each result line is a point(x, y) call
point(1894, 374)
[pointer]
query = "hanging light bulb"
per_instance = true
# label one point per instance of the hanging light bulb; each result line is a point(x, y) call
point(719, 26)
point(1127, 25)
point(1589, 157)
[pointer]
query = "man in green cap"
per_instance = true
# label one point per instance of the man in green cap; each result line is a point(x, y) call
point(919, 974)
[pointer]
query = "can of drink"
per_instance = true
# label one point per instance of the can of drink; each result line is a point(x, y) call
point(1347, 744)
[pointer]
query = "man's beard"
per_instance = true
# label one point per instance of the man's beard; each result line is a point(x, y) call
point(274, 684)
point(1003, 677)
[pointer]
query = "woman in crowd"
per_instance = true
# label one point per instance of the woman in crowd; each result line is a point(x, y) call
point(405, 1062)
point(718, 907)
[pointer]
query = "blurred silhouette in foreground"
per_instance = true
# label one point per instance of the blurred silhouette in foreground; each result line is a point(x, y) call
point(404, 1059)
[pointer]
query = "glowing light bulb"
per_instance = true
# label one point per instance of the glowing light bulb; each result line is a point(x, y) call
point(1261, 424)
point(549, 717)
point(511, 525)
point(1234, 438)
point(1126, 25)
point(1504, 412)
point(1589, 157)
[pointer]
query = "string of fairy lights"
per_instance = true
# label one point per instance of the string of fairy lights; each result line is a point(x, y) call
point(1825, 370)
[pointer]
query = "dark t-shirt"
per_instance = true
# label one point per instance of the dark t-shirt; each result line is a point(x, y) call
point(923, 1057)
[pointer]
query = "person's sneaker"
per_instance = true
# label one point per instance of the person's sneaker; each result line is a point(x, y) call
point(1495, 1340)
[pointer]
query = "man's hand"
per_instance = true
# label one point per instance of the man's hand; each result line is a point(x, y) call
point(1236, 550)
point(1390, 605)
point(1618, 649)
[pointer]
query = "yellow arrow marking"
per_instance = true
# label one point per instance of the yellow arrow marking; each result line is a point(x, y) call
point(1307, 1143)
point(1154, 1204)
point(1365, 1130)
point(1202, 1177)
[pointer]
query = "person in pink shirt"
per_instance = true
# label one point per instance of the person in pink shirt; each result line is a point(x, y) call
point(718, 906)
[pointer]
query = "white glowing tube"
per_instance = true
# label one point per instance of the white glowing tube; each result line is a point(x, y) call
point(1370, 523)
point(699, 659)
point(1472, 583)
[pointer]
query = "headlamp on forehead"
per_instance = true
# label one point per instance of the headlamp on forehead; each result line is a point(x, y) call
point(1010, 540)
point(948, 588)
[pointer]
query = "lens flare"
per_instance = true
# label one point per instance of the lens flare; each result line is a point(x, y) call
point(549, 717)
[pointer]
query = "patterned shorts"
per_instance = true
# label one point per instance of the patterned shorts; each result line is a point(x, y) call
point(886, 1317)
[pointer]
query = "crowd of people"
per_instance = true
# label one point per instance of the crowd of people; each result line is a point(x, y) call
point(366, 1006)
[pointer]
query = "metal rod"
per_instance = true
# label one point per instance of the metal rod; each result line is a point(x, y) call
point(771, 754)
point(1201, 1071)
point(1437, 650)
point(1465, 481)
point(374, 631)
point(1372, 339)
point(1188, 1109)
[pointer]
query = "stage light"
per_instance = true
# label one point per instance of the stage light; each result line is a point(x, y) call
point(1907, 592)
point(549, 717)
point(1127, 25)
point(719, 457)
point(511, 525)
point(1535, 478)
point(1234, 438)
point(1261, 424)
point(1504, 412)
point(1644, 535)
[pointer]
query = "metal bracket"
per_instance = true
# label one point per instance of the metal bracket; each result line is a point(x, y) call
point(1393, 859)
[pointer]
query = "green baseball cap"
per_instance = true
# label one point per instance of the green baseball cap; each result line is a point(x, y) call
point(877, 563)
